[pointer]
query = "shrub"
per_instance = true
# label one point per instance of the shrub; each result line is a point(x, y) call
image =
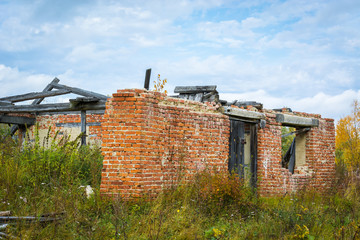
point(220, 190)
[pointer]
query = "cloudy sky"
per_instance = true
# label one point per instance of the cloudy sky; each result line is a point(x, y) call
point(299, 54)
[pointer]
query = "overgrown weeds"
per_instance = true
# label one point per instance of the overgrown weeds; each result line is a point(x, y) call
point(38, 178)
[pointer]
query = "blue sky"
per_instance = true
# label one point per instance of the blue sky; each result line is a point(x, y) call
point(299, 54)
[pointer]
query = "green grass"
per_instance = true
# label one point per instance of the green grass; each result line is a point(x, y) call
point(39, 178)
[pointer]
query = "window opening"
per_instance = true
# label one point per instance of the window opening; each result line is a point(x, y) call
point(287, 137)
point(293, 147)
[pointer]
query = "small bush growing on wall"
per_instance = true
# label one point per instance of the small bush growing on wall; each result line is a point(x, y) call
point(159, 85)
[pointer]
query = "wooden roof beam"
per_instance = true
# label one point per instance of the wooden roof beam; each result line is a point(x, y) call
point(17, 120)
point(49, 87)
point(58, 107)
point(79, 91)
point(33, 95)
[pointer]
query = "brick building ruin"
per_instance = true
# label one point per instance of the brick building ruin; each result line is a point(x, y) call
point(146, 137)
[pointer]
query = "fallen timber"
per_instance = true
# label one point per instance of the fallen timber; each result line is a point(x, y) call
point(7, 221)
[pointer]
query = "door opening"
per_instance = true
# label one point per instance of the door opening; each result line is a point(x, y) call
point(243, 150)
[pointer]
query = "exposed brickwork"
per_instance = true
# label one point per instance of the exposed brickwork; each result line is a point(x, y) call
point(93, 131)
point(269, 173)
point(319, 170)
point(148, 138)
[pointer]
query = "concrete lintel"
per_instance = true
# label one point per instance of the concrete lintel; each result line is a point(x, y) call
point(238, 112)
point(298, 121)
point(194, 89)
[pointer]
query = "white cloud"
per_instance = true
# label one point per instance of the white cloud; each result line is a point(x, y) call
point(329, 106)
point(231, 73)
point(91, 53)
point(293, 49)
point(229, 33)
point(14, 82)
point(252, 22)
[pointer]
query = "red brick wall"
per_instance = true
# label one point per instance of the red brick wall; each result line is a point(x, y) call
point(148, 138)
point(93, 130)
point(321, 154)
point(318, 172)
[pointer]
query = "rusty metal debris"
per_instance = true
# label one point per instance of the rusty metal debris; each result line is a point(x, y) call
point(7, 221)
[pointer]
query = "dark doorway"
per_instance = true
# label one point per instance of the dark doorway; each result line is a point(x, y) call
point(243, 150)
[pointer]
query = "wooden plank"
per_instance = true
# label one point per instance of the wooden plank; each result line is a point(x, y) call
point(4, 103)
point(77, 124)
point(49, 87)
point(84, 99)
point(147, 78)
point(253, 154)
point(211, 97)
point(33, 95)
point(240, 152)
point(79, 91)
point(83, 127)
point(17, 120)
point(101, 112)
point(81, 100)
point(194, 89)
point(52, 107)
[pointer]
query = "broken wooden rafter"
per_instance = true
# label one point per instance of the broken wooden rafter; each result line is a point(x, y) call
point(81, 100)
point(49, 87)
point(4, 103)
point(57, 107)
point(17, 120)
point(198, 93)
point(33, 95)
point(79, 91)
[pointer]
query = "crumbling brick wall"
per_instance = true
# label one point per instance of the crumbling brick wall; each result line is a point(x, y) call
point(318, 172)
point(149, 139)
